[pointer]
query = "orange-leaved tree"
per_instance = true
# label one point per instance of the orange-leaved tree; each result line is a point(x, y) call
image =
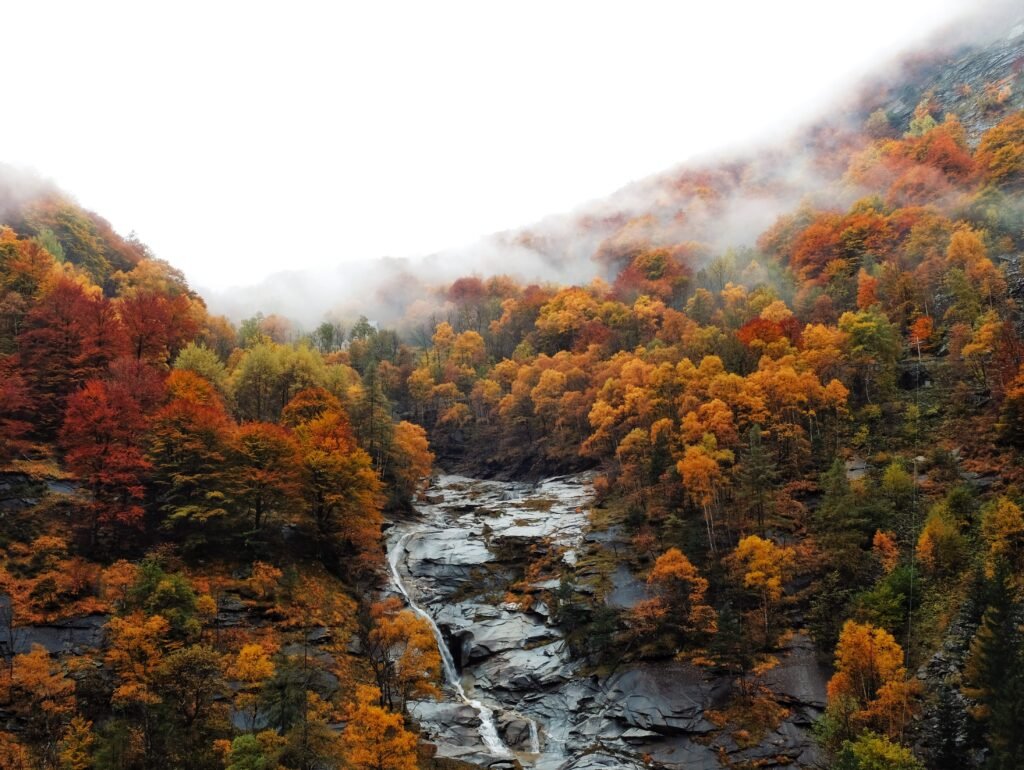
point(341, 488)
point(188, 444)
point(42, 696)
point(411, 460)
point(136, 651)
point(14, 755)
point(885, 550)
point(681, 590)
point(870, 687)
point(403, 654)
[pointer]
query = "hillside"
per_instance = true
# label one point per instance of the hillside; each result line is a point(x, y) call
point(740, 475)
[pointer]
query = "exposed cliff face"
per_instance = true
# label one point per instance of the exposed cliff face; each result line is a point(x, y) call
point(980, 82)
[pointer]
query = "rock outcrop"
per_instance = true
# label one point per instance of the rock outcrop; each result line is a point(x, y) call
point(456, 561)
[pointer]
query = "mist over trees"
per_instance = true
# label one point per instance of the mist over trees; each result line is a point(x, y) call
point(796, 381)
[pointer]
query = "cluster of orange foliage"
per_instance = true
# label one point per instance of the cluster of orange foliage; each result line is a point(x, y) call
point(870, 688)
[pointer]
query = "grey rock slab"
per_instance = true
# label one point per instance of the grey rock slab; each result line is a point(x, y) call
point(230, 603)
point(462, 615)
point(445, 555)
point(319, 635)
point(59, 487)
point(449, 713)
point(638, 735)
point(63, 636)
point(667, 699)
point(512, 631)
point(682, 754)
point(602, 761)
point(787, 741)
point(627, 589)
point(800, 677)
point(515, 732)
point(526, 669)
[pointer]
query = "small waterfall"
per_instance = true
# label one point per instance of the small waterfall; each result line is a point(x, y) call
point(488, 730)
point(534, 738)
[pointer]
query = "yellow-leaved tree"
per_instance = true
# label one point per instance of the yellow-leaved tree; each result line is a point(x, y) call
point(1002, 527)
point(762, 567)
point(76, 745)
point(701, 471)
point(375, 738)
point(252, 667)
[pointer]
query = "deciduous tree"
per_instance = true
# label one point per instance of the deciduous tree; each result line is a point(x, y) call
point(14, 410)
point(376, 738)
point(188, 444)
point(870, 687)
point(266, 477)
point(763, 568)
point(403, 653)
point(681, 590)
point(102, 437)
point(341, 487)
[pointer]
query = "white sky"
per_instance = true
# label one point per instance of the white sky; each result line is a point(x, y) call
point(243, 138)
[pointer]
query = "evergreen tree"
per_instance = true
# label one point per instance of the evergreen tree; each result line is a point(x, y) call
point(758, 475)
point(994, 675)
point(950, 733)
point(372, 420)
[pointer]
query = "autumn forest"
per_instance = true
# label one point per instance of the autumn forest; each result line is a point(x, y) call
point(798, 457)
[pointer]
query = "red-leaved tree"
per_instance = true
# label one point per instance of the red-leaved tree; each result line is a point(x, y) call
point(102, 434)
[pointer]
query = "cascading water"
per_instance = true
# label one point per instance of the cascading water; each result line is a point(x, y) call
point(534, 738)
point(488, 730)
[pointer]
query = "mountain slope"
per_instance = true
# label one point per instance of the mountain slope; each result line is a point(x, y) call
point(796, 381)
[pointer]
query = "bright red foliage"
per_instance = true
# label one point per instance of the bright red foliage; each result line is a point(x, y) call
point(70, 336)
point(157, 326)
point(14, 408)
point(102, 433)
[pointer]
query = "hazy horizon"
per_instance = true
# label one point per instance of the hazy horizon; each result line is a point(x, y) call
point(311, 147)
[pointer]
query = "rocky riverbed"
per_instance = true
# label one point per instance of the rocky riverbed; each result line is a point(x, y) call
point(456, 561)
